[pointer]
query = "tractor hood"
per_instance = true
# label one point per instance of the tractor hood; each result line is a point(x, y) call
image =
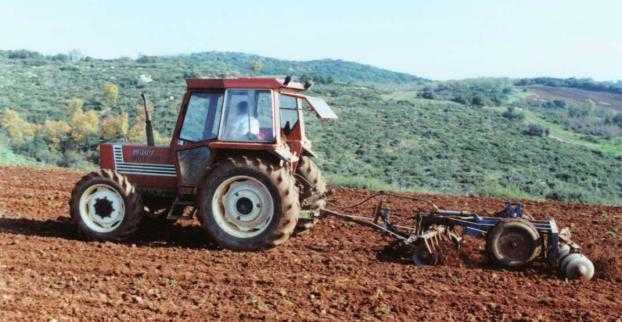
point(320, 107)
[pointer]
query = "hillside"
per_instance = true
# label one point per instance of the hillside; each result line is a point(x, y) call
point(441, 146)
point(396, 131)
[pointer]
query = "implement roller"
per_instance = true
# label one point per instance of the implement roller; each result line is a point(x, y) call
point(513, 239)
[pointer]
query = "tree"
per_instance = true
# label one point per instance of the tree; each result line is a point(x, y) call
point(19, 130)
point(536, 130)
point(111, 94)
point(114, 127)
point(559, 103)
point(256, 66)
point(459, 99)
point(75, 55)
point(55, 131)
point(144, 59)
point(74, 105)
point(24, 54)
point(477, 100)
point(427, 93)
point(512, 114)
point(83, 124)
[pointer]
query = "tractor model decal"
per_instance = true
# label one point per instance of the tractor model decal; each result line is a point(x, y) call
point(143, 169)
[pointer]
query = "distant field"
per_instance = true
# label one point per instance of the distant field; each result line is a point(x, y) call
point(611, 147)
point(610, 100)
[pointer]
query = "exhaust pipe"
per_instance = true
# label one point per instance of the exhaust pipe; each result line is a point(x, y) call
point(148, 126)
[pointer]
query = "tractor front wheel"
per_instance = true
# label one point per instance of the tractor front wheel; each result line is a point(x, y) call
point(249, 204)
point(104, 205)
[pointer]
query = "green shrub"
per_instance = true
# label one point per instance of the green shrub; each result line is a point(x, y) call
point(74, 159)
point(536, 130)
point(512, 114)
point(427, 93)
point(23, 54)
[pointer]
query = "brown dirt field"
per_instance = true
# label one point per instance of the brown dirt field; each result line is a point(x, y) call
point(609, 100)
point(337, 272)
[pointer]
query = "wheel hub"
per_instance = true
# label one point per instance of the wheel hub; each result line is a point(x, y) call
point(243, 206)
point(103, 207)
point(515, 246)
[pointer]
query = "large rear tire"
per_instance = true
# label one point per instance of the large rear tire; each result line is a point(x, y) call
point(312, 192)
point(104, 205)
point(249, 204)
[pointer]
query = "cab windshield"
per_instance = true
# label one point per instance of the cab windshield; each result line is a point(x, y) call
point(248, 116)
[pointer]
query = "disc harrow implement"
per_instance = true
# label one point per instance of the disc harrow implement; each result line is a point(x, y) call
point(513, 239)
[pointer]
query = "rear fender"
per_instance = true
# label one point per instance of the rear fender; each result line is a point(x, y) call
point(222, 154)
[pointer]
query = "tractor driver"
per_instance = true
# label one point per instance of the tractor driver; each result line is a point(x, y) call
point(243, 125)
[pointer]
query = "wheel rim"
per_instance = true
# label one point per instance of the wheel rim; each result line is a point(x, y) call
point(243, 206)
point(516, 246)
point(102, 208)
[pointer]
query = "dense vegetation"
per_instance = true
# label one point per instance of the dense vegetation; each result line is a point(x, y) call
point(581, 83)
point(592, 121)
point(476, 92)
point(480, 136)
point(455, 148)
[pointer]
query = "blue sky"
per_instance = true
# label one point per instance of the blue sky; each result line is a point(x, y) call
point(438, 39)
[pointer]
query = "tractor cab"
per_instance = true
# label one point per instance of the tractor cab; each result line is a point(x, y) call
point(247, 112)
point(257, 115)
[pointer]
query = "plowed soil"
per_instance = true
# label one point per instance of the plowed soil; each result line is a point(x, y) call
point(339, 271)
point(610, 100)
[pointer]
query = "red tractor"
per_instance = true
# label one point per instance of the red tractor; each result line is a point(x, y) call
point(239, 158)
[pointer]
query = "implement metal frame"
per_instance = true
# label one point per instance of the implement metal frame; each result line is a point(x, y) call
point(440, 224)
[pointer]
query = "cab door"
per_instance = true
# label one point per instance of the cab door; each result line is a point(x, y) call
point(200, 125)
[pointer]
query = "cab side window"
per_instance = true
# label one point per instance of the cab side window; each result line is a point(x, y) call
point(202, 119)
point(288, 106)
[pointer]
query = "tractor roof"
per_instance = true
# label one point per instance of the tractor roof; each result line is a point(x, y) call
point(242, 82)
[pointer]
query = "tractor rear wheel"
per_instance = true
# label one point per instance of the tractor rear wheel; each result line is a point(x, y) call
point(249, 204)
point(104, 205)
point(312, 192)
point(513, 243)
